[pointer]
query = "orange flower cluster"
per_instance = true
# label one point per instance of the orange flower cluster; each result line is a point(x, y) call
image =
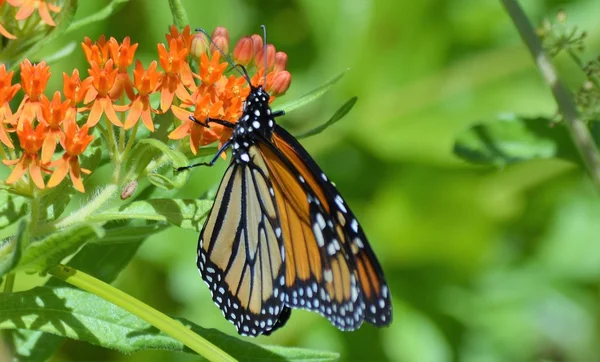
point(217, 96)
point(26, 8)
point(40, 123)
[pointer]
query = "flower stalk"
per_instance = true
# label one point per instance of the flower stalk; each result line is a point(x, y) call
point(564, 99)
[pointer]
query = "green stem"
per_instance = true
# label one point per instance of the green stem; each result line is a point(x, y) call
point(566, 105)
point(121, 140)
point(112, 141)
point(159, 320)
point(9, 283)
point(82, 214)
point(131, 140)
point(35, 211)
point(180, 18)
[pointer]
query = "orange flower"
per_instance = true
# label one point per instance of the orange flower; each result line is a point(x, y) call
point(96, 52)
point(33, 80)
point(146, 83)
point(177, 74)
point(31, 142)
point(74, 142)
point(211, 70)
point(199, 134)
point(54, 113)
point(27, 7)
point(7, 92)
point(122, 55)
point(103, 81)
point(184, 39)
point(75, 90)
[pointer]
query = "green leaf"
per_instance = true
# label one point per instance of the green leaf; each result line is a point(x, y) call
point(513, 139)
point(187, 214)
point(129, 233)
point(42, 254)
point(145, 151)
point(108, 10)
point(75, 314)
point(103, 261)
point(12, 208)
point(11, 249)
point(339, 114)
point(55, 200)
point(312, 95)
point(61, 53)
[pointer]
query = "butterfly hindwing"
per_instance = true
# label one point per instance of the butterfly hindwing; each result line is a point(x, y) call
point(319, 275)
point(348, 231)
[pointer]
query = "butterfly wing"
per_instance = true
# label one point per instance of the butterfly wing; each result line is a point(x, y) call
point(314, 216)
point(240, 255)
point(328, 203)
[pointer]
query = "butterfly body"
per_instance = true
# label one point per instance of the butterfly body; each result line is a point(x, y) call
point(280, 236)
point(257, 119)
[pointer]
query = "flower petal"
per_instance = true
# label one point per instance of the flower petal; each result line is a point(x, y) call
point(95, 113)
point(76, 174)
point(36, 174)
point(110, 112)
point(134, 113)
point(60, 172)
point(18, 171)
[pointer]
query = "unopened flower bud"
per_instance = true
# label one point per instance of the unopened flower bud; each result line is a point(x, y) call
point(260, 57)
point(281, 59)
point(220, 38)
point(257, 44)
point(281, 82)
point(199, 45)
point(243, 51)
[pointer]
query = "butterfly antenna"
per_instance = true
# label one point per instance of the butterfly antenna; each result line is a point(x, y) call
point(237, 67)
point(264, 28)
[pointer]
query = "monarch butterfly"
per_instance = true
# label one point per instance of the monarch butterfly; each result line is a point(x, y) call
point(280, 236)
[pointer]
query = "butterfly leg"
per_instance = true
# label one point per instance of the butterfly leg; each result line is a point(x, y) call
point(278, 113)
point(209, 164)
point(212, 120)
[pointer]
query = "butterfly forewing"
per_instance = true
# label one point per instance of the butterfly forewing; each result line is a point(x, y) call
point(239, 254)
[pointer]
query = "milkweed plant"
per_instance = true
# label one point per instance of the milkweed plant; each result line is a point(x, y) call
point(133, 117)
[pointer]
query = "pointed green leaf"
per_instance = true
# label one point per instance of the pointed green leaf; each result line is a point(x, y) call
point(103, 261)
point(187, 214)
point(312, 95)
point(47, 252)
point(107, 11)
point(129, 233)
point(339, 114)
point(75, 314)
point(145, 151)
point(55, 200)
point(513, 139)
point(61, 53)
point(12, 208)
point(160, 181)
point(11, 249)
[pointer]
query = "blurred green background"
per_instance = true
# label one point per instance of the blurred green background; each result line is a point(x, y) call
point(484, 264)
